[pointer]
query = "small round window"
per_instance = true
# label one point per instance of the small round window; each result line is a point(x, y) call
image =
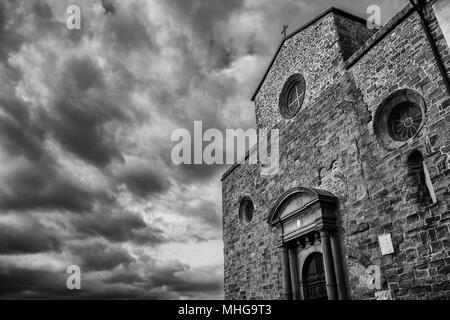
point(292, 96)
point(246, 209)
point(399, 118)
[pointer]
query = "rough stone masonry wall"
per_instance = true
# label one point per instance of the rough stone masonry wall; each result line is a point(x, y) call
point(318, 141)
point(352, 34)
point(315, 53)
point(252, 265)
point(420, 266)
point(252, 262)
point(330, 144)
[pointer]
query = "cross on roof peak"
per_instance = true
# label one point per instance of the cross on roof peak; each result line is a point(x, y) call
point(284, 32)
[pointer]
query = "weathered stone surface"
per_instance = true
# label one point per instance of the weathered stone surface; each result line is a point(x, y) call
point(331, 145)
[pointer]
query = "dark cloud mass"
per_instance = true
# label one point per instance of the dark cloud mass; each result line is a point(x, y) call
point(178, 278)
point(119, 227)
point(144, 181)
point(28, 237)
point(206, 211)
point(100, 256)
point(82, 112)
point(9, 39)
point(86, 116)
point(24, 283)
point(108, 5)
point(18, 135)
point(39, 187)
point(130, 33)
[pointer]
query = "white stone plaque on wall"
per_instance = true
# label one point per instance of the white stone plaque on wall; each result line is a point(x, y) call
point(383, 295)
point(386, 245)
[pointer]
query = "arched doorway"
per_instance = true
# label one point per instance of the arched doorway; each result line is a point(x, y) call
point(314, 282)
point(309, 244)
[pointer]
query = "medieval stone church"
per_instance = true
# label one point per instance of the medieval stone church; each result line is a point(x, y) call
point(360, 206)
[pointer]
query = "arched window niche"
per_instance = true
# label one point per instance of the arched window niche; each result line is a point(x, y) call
point(306, 219)
point(246, 209)
point(419, 179)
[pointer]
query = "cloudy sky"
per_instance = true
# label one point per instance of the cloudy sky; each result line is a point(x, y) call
point(86, 118)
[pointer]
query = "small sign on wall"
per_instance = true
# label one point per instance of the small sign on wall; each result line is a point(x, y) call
point(383, 295)
point(386, 245)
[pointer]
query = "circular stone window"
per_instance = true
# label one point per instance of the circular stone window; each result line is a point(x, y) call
point(399, 118)
point(292, 96)
point(246, 209)
point(405, 121)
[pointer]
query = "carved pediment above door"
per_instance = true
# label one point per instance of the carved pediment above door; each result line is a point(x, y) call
point(302, 210)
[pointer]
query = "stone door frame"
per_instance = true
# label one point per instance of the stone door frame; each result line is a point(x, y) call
point(306, 219)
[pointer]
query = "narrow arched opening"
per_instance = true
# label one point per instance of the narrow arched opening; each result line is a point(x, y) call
point(419, 179)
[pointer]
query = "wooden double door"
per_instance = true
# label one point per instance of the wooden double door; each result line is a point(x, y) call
point(313, 278)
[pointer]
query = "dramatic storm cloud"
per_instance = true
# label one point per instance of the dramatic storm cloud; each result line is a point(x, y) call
point(86, 116)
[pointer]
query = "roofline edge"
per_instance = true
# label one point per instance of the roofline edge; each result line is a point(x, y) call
point(303, 27)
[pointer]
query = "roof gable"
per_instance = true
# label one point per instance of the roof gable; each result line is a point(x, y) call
point(331, 10)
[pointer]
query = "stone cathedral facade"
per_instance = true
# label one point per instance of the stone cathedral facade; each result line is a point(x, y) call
point(360, 206)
